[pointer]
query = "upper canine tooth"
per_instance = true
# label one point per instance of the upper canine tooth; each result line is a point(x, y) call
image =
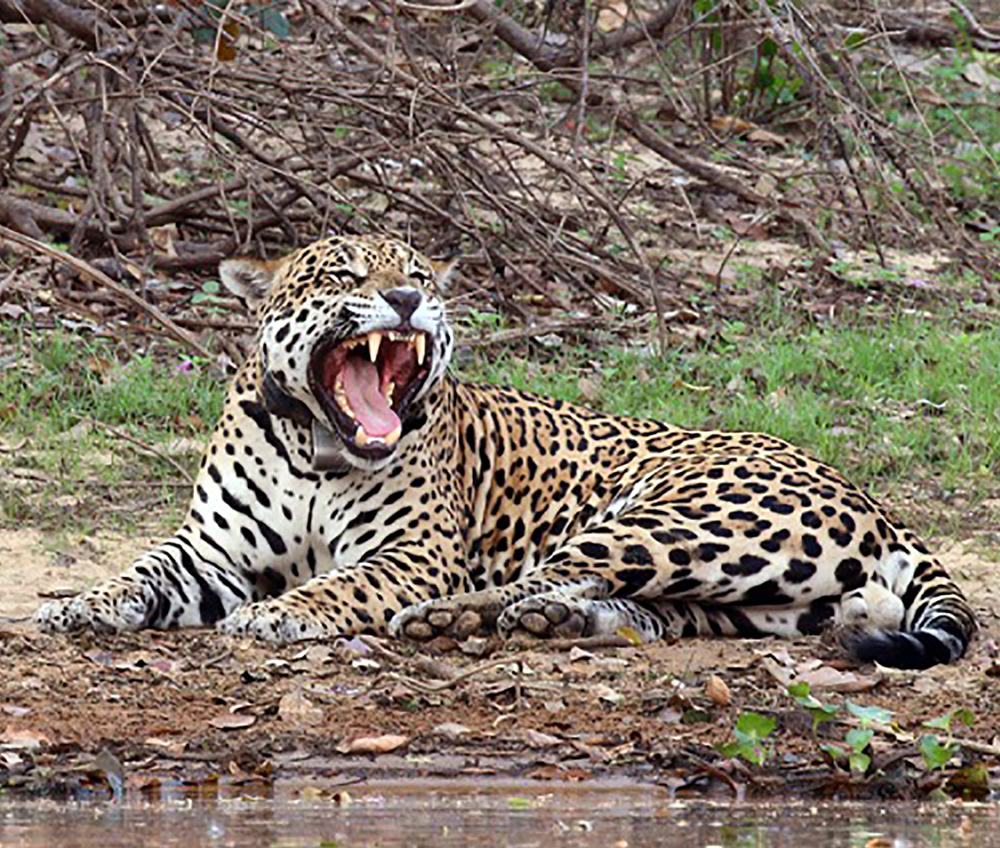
point(420, 346)
point(374, 342)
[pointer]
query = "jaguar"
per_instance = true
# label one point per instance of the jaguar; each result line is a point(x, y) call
point(353, 485)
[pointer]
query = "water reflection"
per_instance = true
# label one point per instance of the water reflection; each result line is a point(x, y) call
point(513, 815)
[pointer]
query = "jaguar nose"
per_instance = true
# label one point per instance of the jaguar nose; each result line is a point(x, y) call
point(404, 300)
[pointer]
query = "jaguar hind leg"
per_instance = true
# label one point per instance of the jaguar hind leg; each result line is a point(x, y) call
point(661, 571)
point(559, 614)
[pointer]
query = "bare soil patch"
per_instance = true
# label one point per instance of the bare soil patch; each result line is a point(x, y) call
point(195, 706)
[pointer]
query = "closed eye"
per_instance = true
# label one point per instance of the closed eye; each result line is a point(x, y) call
point(346, 275)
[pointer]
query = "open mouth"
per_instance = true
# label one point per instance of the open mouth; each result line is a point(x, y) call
point(365, 383)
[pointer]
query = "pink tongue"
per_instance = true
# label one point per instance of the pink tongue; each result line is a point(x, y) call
point(369, 404)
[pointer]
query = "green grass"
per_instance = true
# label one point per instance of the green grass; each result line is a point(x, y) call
point(54, 387)
point(907, 401)
point(63, 378)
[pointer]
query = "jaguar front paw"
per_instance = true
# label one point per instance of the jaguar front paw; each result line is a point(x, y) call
point(430, 619)
point(113, 607)
point(276, 622)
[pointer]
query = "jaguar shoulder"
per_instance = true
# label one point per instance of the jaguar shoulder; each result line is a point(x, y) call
point(352, 485)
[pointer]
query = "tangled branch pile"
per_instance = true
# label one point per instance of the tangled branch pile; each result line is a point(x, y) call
point(564, 153)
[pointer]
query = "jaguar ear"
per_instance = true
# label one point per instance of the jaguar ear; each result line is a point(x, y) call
point(444, 270)
point(249, 279)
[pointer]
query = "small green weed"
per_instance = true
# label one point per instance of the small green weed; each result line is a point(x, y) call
point(802, 695)
point(748, 738)
point(937, 752)
point(856, 747)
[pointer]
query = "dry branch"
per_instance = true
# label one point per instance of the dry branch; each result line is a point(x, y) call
point(395, 125)
point(79, 23)
point(89, 272)
point(526, 44)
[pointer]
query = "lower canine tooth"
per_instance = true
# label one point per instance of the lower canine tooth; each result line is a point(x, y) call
point(393, 437)
point(360, 437)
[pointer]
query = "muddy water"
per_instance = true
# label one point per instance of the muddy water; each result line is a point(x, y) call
point(438, 815)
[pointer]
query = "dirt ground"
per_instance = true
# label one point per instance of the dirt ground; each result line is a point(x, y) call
point(194, 708)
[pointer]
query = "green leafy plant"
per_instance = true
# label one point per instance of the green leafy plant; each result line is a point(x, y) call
point(858, 740)
point(935, 751)
point(857, 743)
point(803, 696)
point(209, 294)
point(869, 715)
point(748, 738)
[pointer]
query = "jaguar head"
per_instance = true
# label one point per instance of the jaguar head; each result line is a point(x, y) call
point(351, 329)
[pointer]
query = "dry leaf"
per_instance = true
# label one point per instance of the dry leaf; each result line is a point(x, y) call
point(978, 75)
point(22, 740)
point(226, 49)
point(717, 691)
point(829, 678)
point(373, 744)
point(232, 721)
point(631, 634)
point(926, 95)
point(588, 389)
point(606, 693)
point(452, 730)
point(612, 15)
point(766, 139)
point(537, 739)
point(731, 124)
point(162, 239)
point(170, 747)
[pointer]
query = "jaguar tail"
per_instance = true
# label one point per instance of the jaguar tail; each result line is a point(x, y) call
point(938, 626)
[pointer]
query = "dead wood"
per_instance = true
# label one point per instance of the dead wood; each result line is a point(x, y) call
point(88, 271)
point(81, 24)
point(170, 141)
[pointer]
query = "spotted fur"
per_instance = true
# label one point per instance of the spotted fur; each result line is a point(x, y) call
point(499, 509)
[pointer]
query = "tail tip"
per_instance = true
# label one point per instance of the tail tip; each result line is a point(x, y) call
point(895, 649)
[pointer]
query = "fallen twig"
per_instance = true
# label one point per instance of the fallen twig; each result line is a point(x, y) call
point(88, 271)
point(430, 688)
point(118, 434)
point(421, 663)
point(570, 325)
point(587, 643)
